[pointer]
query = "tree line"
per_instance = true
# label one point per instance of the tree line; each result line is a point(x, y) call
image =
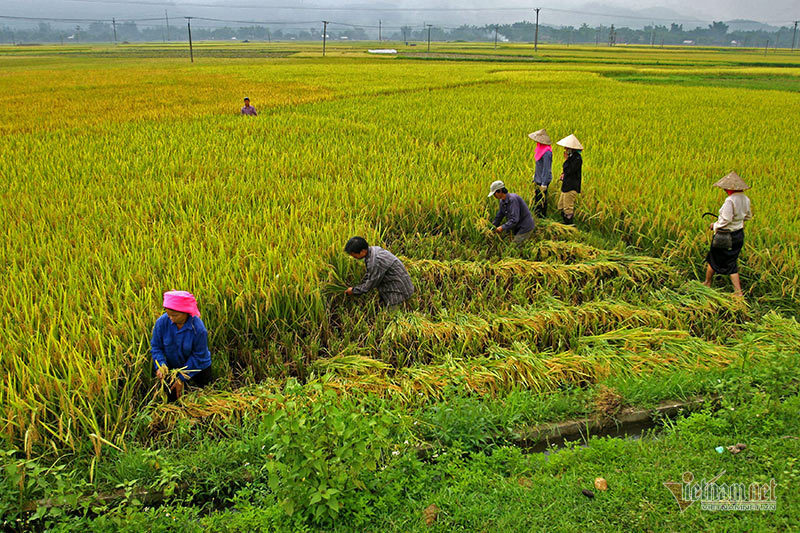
point(716, 34)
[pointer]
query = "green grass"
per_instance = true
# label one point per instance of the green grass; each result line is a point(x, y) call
point(755, 82)
point(476, 478)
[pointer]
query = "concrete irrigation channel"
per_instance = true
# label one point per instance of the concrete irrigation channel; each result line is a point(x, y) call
point(628, 423)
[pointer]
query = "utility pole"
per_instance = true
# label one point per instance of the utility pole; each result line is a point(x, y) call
point(429, 37)
point(611, 37)
point(166, 17)
point(597, 37)
point(653, 35)
point(114, 25)
point(324, 36)
point(766, 47)
point(495, 37)
point(794, 37)
point(536, 38)
point(269, 36)
point(191, 50)
point(379, 31)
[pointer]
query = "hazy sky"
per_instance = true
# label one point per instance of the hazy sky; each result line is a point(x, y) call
point(627, 12)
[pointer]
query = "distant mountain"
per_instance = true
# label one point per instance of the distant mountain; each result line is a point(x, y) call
point(600, 13)
point(749, 25)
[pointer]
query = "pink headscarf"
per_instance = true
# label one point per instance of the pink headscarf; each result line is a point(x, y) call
point(182, 301)
point(540, 150)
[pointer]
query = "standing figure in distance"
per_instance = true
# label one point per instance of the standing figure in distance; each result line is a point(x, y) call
point(248, 109)
point(570, 177)
point(732, 216)
point(543, 174)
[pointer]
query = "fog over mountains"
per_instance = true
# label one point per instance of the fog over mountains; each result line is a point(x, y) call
point(634, 14)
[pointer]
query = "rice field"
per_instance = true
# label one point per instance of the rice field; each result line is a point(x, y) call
point(128, 172)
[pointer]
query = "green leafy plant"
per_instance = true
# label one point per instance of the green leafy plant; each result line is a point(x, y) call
point(320, 452)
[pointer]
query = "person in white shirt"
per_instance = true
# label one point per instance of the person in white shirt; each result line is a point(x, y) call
point(732, 216)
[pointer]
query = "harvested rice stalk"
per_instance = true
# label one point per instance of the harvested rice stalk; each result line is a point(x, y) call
point(470, 334)
point(565, 251)
point(624, 352)
point(636, 269)
point(344, 364)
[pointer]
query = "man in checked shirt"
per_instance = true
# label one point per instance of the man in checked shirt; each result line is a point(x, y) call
point(384, 272)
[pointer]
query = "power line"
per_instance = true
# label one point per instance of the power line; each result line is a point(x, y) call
point(44, 19)
point(309, 22)
point(401, 9)
point(255, 21)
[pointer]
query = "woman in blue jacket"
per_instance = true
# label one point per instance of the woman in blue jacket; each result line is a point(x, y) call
point(180, 341)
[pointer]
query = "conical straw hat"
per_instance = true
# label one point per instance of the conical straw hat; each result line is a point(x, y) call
point(570, 142)
point(540, 136)
point(732, 182)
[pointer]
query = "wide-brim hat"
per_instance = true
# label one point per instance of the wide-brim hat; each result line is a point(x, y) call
point(495, 186)
point(732, 182)
point(571, 142)
point(540, 136)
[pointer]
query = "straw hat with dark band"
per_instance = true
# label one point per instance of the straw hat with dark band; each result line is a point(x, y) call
point(732, 182)
point(571, 142)
point(540, 136)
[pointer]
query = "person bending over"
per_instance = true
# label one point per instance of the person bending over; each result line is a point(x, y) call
point(180, 341)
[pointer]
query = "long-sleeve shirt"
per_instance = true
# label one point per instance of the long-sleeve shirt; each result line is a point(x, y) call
point(178, 348)
point(733, 213)
point(249, 110)
point(572, 173)
point(543, 174)
point(518, 217)
point(388, 274)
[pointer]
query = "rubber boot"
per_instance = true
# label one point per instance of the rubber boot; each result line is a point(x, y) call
point(569, 220)
point(564, 218)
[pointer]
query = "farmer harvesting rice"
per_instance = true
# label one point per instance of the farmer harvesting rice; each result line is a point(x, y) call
point(514, 210)
point(570, 177)
point(729, 232)
point(248, 109)
point(384, 272)
point(543, 173)
point(180, 341)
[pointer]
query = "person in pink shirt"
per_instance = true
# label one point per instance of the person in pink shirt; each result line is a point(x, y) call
point(248, 109)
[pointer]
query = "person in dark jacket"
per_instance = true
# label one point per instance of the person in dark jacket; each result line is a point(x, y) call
point(570, 177)
point(543, 173)
point(180, 341)
point(514, 210)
